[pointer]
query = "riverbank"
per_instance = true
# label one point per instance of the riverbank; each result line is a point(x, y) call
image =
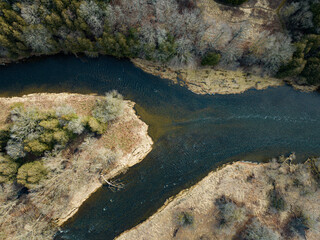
point(72, 175)
point(204, 80)
point(275, 200)
point(6, 61)
point(207, 80)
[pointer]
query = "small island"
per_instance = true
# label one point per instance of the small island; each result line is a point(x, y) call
point(270, 201)
point(56, 150)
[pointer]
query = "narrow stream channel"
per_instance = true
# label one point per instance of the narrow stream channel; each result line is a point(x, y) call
point(193, 134)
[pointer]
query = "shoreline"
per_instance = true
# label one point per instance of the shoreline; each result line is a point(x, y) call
point(231, 181)
point(202, 80)
point(128, 135)
point(131, 159)
point(6, 61)
point(171, 201)
point(206, 80)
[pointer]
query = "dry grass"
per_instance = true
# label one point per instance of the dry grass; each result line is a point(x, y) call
point(206, 80)
point(82, 104)
point(243, 186)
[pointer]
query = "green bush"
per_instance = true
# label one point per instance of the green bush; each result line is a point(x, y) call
point(276, 201)
point(47, 138)
point(312, 71)
point(36, 147)
point(30, 174)
point(96, 126)
point(50, 124)
point(32, 132)
point(35, 132)
point(211, 59)
point(61, 137)
point(293, 68)
point(8, 169)
point(184, 219)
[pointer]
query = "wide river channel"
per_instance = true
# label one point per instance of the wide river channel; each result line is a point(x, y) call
point(192, 134)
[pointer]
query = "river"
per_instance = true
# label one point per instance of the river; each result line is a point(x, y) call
point(193, 134)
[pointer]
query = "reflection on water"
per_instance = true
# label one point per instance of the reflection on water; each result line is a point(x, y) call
point(193, 134)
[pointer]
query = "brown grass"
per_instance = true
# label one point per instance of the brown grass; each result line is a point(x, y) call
point(251, 193)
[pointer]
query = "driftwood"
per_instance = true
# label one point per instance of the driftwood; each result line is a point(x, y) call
point(114, 186)
point(288, 160)
point(291, 158)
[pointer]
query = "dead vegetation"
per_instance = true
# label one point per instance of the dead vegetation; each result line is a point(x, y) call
point(275, 200)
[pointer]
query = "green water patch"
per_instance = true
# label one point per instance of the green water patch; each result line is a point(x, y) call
point(158, 124)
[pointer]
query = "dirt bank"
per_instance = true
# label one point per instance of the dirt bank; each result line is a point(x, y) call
point(239, 200)
point(42, 211)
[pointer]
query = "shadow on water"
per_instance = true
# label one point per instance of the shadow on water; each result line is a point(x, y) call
point(193, 134)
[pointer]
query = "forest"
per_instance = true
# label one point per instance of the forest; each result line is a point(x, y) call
point(302, 19)
point(171, 32)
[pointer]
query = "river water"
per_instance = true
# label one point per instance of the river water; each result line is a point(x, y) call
point(193, 134)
